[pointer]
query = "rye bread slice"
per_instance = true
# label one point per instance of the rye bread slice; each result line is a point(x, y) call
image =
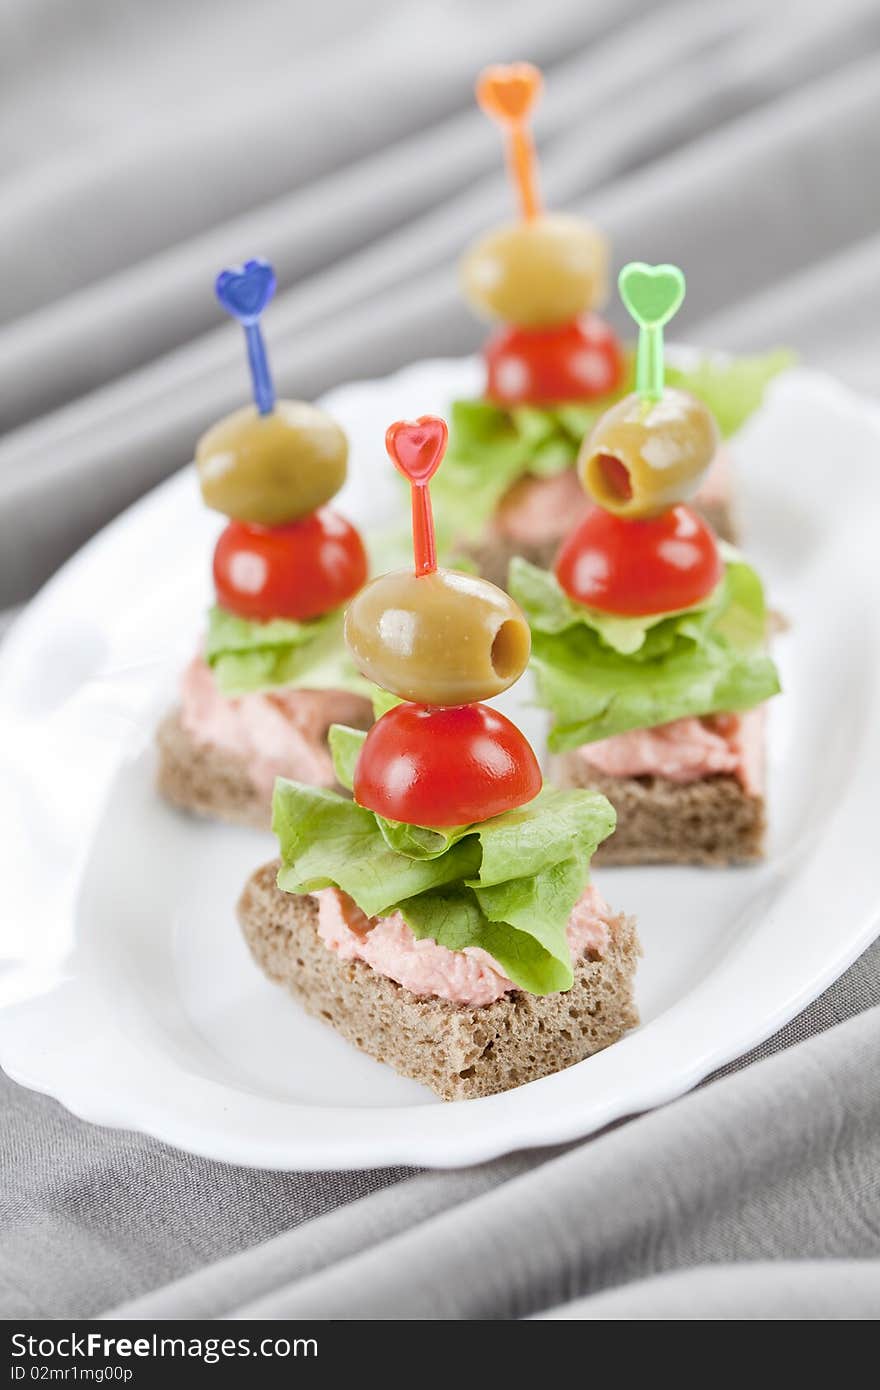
point(458, 1052)
point(712, 821)
point(207, 780)
point(210, 781)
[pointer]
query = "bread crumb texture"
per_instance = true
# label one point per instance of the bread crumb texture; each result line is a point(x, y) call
point(207, 780)
point(711, 821)
point(458, 1052)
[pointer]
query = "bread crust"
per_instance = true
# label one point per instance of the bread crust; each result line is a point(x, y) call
point(207, 780)
point(712, 821)
point(459, 1052)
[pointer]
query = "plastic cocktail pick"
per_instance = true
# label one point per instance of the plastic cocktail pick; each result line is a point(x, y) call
point(652, 294)
point(416, 448)
point(244, 291)
point(507, 95)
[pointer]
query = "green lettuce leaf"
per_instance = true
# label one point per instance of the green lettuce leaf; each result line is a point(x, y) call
point(732, 387)
point(550, 610)
point(383, 701)
point(507, 885)
point(247, 656)
point(491, 448)
point(345, 747)
point(454, 917)
point(598, 678)
point(327, 841)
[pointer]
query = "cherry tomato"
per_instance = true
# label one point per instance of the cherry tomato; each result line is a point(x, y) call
point(657, 565)
point(445, 766)
point(299, 570)
point(578, 361)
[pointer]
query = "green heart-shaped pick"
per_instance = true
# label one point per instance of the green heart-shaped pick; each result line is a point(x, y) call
point(651, 293)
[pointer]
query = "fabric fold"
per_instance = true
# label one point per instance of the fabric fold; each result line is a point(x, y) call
point(144, 146)
point(106, 388)
point(778, 1161)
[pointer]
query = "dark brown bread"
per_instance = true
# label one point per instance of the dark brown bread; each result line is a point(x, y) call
point(459, 1052)
point(207, 780)
point(712, 821)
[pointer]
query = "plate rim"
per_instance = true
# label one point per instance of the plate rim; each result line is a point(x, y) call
point(349, 1151)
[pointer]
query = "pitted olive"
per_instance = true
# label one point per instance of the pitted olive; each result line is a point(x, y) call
point(643, 456)
point(537, 273)
point(274, 468)
point(442, 638)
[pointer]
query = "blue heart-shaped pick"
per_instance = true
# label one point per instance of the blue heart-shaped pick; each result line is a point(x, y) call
point(245, 290)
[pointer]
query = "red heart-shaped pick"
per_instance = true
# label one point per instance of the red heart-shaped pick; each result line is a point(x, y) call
point(508, 93)
point(416, 447)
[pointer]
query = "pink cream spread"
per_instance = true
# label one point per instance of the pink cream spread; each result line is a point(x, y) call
point(279, 733)
point(686, 750)
point(470, 977)
point(540, 510)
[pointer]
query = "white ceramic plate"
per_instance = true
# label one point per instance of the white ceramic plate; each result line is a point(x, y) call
point(126, 991)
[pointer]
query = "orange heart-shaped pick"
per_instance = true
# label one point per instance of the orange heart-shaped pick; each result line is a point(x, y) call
point(416, 447)
point(508, 93)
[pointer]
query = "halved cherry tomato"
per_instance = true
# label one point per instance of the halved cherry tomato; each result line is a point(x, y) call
point(633, 567)
point(298, 571)
point(445, 766)
point(578, 361)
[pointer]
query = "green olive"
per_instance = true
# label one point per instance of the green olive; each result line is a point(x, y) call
point(644, 456)
point(538, 273)
point(439, 639)
point(270, 469)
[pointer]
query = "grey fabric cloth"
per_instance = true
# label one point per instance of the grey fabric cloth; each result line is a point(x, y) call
point(732, 137)
point(90, 1216)
point(142, 146)
point(781, 1291)
point(779, 1160)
